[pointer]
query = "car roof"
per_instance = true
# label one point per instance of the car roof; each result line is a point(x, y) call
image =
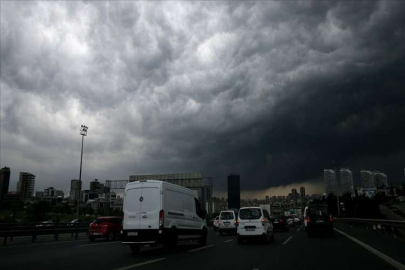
point(253, 207)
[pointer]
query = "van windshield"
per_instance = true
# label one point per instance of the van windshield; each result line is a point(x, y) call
point(253, 213)
point(226, 215)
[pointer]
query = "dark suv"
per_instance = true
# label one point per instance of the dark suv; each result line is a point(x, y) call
point(318, 219)
point(105, 227)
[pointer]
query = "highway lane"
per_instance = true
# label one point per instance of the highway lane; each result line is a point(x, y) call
point(291, 250)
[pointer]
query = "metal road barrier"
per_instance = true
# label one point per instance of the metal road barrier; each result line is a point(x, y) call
point(390, 226)
point(34, 229)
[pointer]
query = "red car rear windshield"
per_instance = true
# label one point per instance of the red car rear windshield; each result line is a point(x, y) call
point(100, 221)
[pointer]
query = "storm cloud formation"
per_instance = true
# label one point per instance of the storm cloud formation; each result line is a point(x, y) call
point(274, 91)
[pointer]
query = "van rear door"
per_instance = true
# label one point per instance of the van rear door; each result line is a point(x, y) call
point(150, 201)
point(132, 208)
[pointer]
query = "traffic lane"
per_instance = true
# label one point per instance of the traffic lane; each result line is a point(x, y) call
point(322, 251)
point(391, 246)
point(225, 254)
point(85, 254)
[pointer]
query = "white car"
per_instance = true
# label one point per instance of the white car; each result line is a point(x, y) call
point(160, 212)
point(215, 223)
point(227, 222)
point(254, 222)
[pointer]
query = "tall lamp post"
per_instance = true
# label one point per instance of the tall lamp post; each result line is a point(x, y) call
point(83, 132)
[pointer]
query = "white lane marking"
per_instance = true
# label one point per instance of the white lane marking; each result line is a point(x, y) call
point(389, 260)
point(255, 268)
point(197, 249)
point(227, 241)
point(30, 245)
point(105, 243)
point(286, 241)
point(140, 264)
point(298, 229)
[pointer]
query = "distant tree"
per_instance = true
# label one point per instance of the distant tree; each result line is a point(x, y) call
point(38, 211)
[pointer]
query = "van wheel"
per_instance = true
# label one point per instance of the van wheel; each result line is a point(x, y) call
point(135, 248)
point(203, 239)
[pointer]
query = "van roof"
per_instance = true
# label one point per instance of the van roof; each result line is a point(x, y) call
point(160, 183)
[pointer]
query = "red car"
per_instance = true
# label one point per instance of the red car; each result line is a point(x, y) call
point(105, 227)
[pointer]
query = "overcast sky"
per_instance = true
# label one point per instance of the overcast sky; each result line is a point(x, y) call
point(275, 91)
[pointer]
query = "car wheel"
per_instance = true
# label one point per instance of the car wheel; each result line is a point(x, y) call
point(92, 238)
point(203, 239)
point(110, 236)
point(135, 248)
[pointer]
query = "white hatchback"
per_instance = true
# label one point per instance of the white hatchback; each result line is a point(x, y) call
point(254, 222)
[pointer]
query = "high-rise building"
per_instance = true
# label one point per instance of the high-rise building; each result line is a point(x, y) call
point(346, 178)
point(366, 179)
point(329, 177)
point(39, 194)
point(94, 185)
point(75, 189)
point(60, 193)
point(233, 191)
point(302, 194)
point(4, 182)
point(380, 179)
point(267, 198)
point(294, 194)
point(26, 185)
point(49, 192)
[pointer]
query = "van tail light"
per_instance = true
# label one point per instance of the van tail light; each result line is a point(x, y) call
point(219, 222)
point(330, 219)
point(263, 221)
point(308, 220)
point(236, 222)
point(161, 219)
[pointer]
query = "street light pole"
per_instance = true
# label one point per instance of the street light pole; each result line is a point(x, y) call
point(83, 132)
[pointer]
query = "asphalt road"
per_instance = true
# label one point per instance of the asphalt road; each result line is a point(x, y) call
point(291, 250)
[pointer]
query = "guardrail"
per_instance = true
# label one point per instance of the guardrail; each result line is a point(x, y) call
point(390, 226)
point(35, 229)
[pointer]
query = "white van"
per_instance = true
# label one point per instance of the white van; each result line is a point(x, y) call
point(254, 222)
point(227, 222)
point(160, 212)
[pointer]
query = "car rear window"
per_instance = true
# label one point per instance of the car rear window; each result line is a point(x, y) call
point(318, 211)
point(226, 215)
point(100, 221)
point(253, 213)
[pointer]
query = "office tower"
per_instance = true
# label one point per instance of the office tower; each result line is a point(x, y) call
point(380, 179)
point(294, 194)
point(233, 191)
point(302, 194)
point(329, 177)
point(366, 179)
point(75, 189)
point(346, 178)
point(4, 182)
point(26, 185)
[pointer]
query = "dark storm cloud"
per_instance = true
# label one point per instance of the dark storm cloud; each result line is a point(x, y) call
point(274, 91)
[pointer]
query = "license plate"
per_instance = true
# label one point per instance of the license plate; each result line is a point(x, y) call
point(250, 229)
point(319, 221)
point(132, 233)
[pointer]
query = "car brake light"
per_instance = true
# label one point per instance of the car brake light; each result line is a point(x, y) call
point(263, 221)
point(161, 219)
point(236, 222)
point(331, 219)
